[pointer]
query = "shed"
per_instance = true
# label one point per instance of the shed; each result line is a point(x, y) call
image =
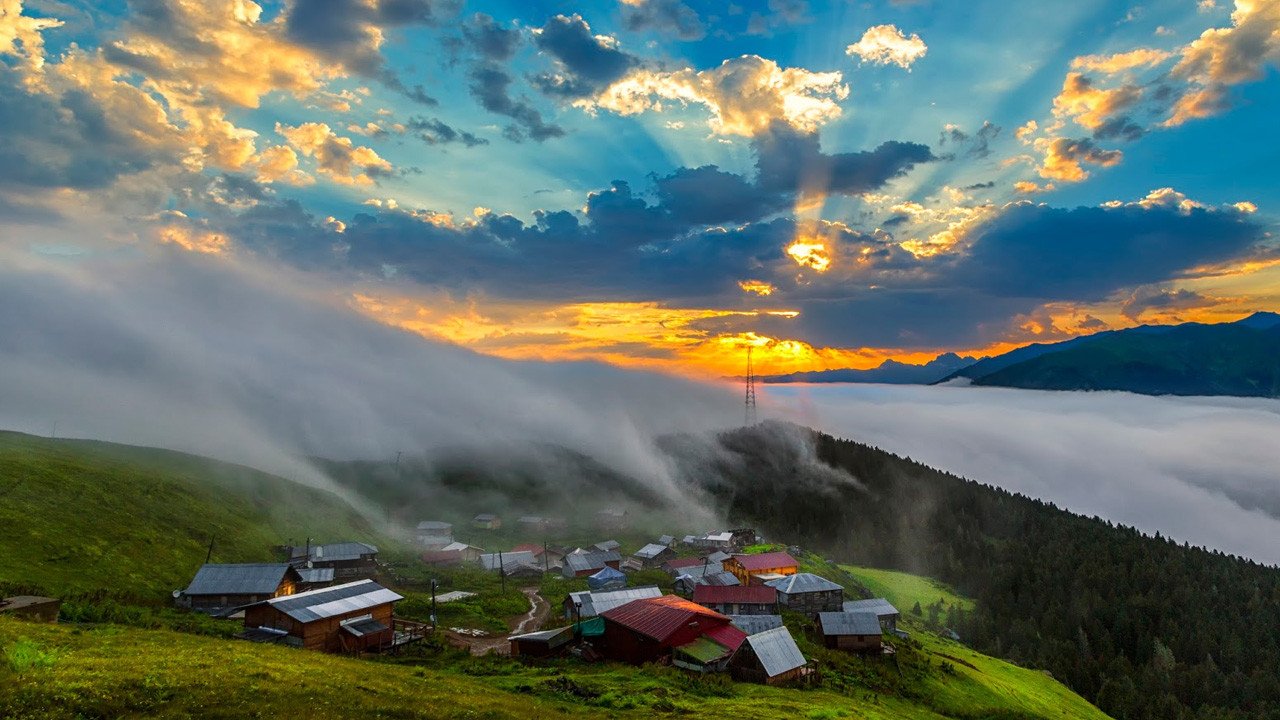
point(851, 631)
point(608, 545)
point(667, 540)
point(883, 609)
point(313, 578)
point(752, 624)
point(594, 602)
point(350, 617)
point(434, 534)
point(219, 587)
point(808, 593)
point(749, 568)
point(545, 643)
point(770, 657)
point(31, 607)
point(607, 579)
point(737, 599)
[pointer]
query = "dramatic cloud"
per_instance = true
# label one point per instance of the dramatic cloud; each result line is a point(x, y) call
point(586, 63)
point(1194, 469)
point(744, 95)
point(1223, 57)
point(887, 45)
point(336, 157)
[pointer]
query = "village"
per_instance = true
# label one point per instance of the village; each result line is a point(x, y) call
point(717, 602)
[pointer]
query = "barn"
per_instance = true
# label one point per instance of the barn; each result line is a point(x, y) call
point(345, 618)
point(851, 631)
point(219, 587)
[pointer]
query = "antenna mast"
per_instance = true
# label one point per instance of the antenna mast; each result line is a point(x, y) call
point(751, 391)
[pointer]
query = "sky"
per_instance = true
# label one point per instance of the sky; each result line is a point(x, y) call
point(661, 184)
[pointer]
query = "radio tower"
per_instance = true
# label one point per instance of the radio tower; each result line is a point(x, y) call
point(751, 391)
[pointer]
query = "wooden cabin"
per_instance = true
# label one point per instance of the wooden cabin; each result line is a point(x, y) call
point(883, 609)
point(654, 555)
point(759, 569)
point(808, 594)
point(434, 534)
point(737, 599)
point(851, 631)
point(352, 617)
point(770, 657)
point(584, 564)
point(585, 604)
point(545, 643)
point(217, 588)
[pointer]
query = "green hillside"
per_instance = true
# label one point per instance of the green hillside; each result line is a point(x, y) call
point(80, 516)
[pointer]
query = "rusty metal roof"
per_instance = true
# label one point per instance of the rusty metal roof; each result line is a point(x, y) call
point(766, 561)
point(660, 617)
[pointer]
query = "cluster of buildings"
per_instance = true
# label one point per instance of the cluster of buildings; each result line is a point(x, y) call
point(321, 597)
point(725, 617)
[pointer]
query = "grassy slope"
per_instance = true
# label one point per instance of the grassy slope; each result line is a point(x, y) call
point(980, 681)
point(78, 516)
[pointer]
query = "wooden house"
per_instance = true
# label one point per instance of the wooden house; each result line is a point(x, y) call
point(652, 629)
point(434, 534)
point(352, 617)
point(349, 560)
point(505, 561)
point(808, 593)
point(217, 588)
point(770, 657)
point(737, 599)
point(759, 569)
point(612, 519)
point(742, 537)
point(486, 521)
point(455, 553)
point(31, 607)
point(752, 624)
point(851, 631)
point(883, 609)
point(315, 578)
point(722, 541)
point(654, 555)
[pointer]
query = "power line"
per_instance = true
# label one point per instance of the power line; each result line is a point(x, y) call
point(751, 391)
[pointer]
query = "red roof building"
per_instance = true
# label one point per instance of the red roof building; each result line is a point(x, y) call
point(759, 569)
point(737, 599)
point(649, 629)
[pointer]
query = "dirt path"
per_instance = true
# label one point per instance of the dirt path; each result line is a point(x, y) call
point(539, 611)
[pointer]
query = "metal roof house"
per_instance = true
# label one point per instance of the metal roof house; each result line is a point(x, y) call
point(851, 631)
point(808, 593)
point(686, 583)
point(313, 578)
point(770, 657)
point(349, 560)
point(883, 609)
point(737, 599)
point(646, 630)
point(486, 521)
point(34, 608)
point(219, 587)
point(608, 545)
point(351, 617)
point(654, 555)
point(545, 643)
point(586, 604)
point(504, 560)
point(581, 564)
point(434, 534)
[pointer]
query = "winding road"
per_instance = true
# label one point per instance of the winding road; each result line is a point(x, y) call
point(539, 611)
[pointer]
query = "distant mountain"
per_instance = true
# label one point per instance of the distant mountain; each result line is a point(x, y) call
point(1241, 358)
point(890, 372)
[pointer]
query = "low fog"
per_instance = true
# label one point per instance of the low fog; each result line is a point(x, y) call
point(159, 347)
point(1201, 470)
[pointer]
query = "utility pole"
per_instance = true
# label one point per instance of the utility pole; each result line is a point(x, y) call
point(398, 454)
point(502, 573)
point(751, 391)
point(433, 605)
point(209, 555)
